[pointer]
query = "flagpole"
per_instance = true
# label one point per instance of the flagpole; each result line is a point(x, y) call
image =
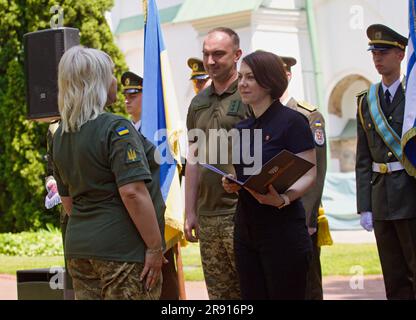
point(179, 267)
point(160, 119)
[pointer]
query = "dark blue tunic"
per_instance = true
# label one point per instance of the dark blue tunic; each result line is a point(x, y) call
point(272, 245)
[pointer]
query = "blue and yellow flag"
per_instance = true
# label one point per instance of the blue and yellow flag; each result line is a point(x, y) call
point(409, 121)
point(161, 121)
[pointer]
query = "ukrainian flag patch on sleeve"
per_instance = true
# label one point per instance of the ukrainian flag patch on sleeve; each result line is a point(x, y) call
point(122, 131)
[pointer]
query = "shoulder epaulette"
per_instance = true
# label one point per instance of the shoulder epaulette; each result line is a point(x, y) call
point(360, 107)
point(404, 80)
point(361, 93)
point(307, 106)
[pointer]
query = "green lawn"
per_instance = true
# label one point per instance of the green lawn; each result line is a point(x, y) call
point(9, 264)
point(336, 260)
point(191, 260)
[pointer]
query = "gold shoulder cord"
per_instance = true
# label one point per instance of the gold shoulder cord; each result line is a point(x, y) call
point(360, 112)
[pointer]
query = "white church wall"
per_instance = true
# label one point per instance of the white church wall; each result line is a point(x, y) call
point(342, 35)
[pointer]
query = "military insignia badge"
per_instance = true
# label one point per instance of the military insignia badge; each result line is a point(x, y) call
point(233, 108)
point(319, 137)
point(195, 67)
point(122, 131)
point(378, 35)
point(127, 81)
point(132, 155)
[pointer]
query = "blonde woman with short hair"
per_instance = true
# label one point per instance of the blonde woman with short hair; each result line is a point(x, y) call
point(114, 243)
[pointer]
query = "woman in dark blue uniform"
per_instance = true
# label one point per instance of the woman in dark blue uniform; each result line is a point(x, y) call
point(272, 244)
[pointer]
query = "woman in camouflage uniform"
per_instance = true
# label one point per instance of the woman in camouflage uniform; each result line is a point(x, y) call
point(103, 168)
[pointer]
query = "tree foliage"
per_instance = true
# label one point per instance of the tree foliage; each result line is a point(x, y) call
point(23, 142)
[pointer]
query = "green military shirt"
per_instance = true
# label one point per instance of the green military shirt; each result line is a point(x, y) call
point(208, 110)
point(389, 196)
point(89, 166)
point(312, 199)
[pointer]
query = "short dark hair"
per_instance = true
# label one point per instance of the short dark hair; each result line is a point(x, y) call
point(230, 32)
point(269, 71)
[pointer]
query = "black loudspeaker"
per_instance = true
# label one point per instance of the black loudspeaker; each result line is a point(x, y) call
point(41, 284)
point(43, 51)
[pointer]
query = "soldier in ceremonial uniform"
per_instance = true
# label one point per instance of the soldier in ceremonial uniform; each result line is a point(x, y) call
point(312, 199)
point(385, 192)
point(199, 77)
point(200, 80)
point(132, 91)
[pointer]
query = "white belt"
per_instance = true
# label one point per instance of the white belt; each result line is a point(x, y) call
point(387, 167)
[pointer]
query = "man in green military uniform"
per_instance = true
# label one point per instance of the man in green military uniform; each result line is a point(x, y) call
point(385, 192)
point(312, 199)
point(209, 209)
point(132, 91)
point(199, 77)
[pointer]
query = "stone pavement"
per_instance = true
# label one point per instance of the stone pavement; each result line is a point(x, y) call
point(335, 288)
point(8, 289)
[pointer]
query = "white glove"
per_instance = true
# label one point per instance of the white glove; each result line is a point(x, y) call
point(366, 220)
point(52, 198)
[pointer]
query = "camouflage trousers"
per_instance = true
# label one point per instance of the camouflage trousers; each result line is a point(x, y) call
point(110, 280)
point(217, 254)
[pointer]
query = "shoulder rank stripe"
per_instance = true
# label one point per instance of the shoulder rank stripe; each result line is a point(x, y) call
point(307, 106)
point(360, 112)
point(361, 93)
point(121, 131)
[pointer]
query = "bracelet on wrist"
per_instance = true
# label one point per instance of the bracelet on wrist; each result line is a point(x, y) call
point(286, 200)
point(154, 251)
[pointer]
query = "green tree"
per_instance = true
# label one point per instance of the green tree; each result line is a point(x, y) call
point(23, 142)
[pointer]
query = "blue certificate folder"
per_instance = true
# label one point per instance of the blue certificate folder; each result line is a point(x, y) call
point(282, 171)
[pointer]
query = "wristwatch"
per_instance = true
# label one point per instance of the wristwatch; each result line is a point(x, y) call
point(286, 200)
